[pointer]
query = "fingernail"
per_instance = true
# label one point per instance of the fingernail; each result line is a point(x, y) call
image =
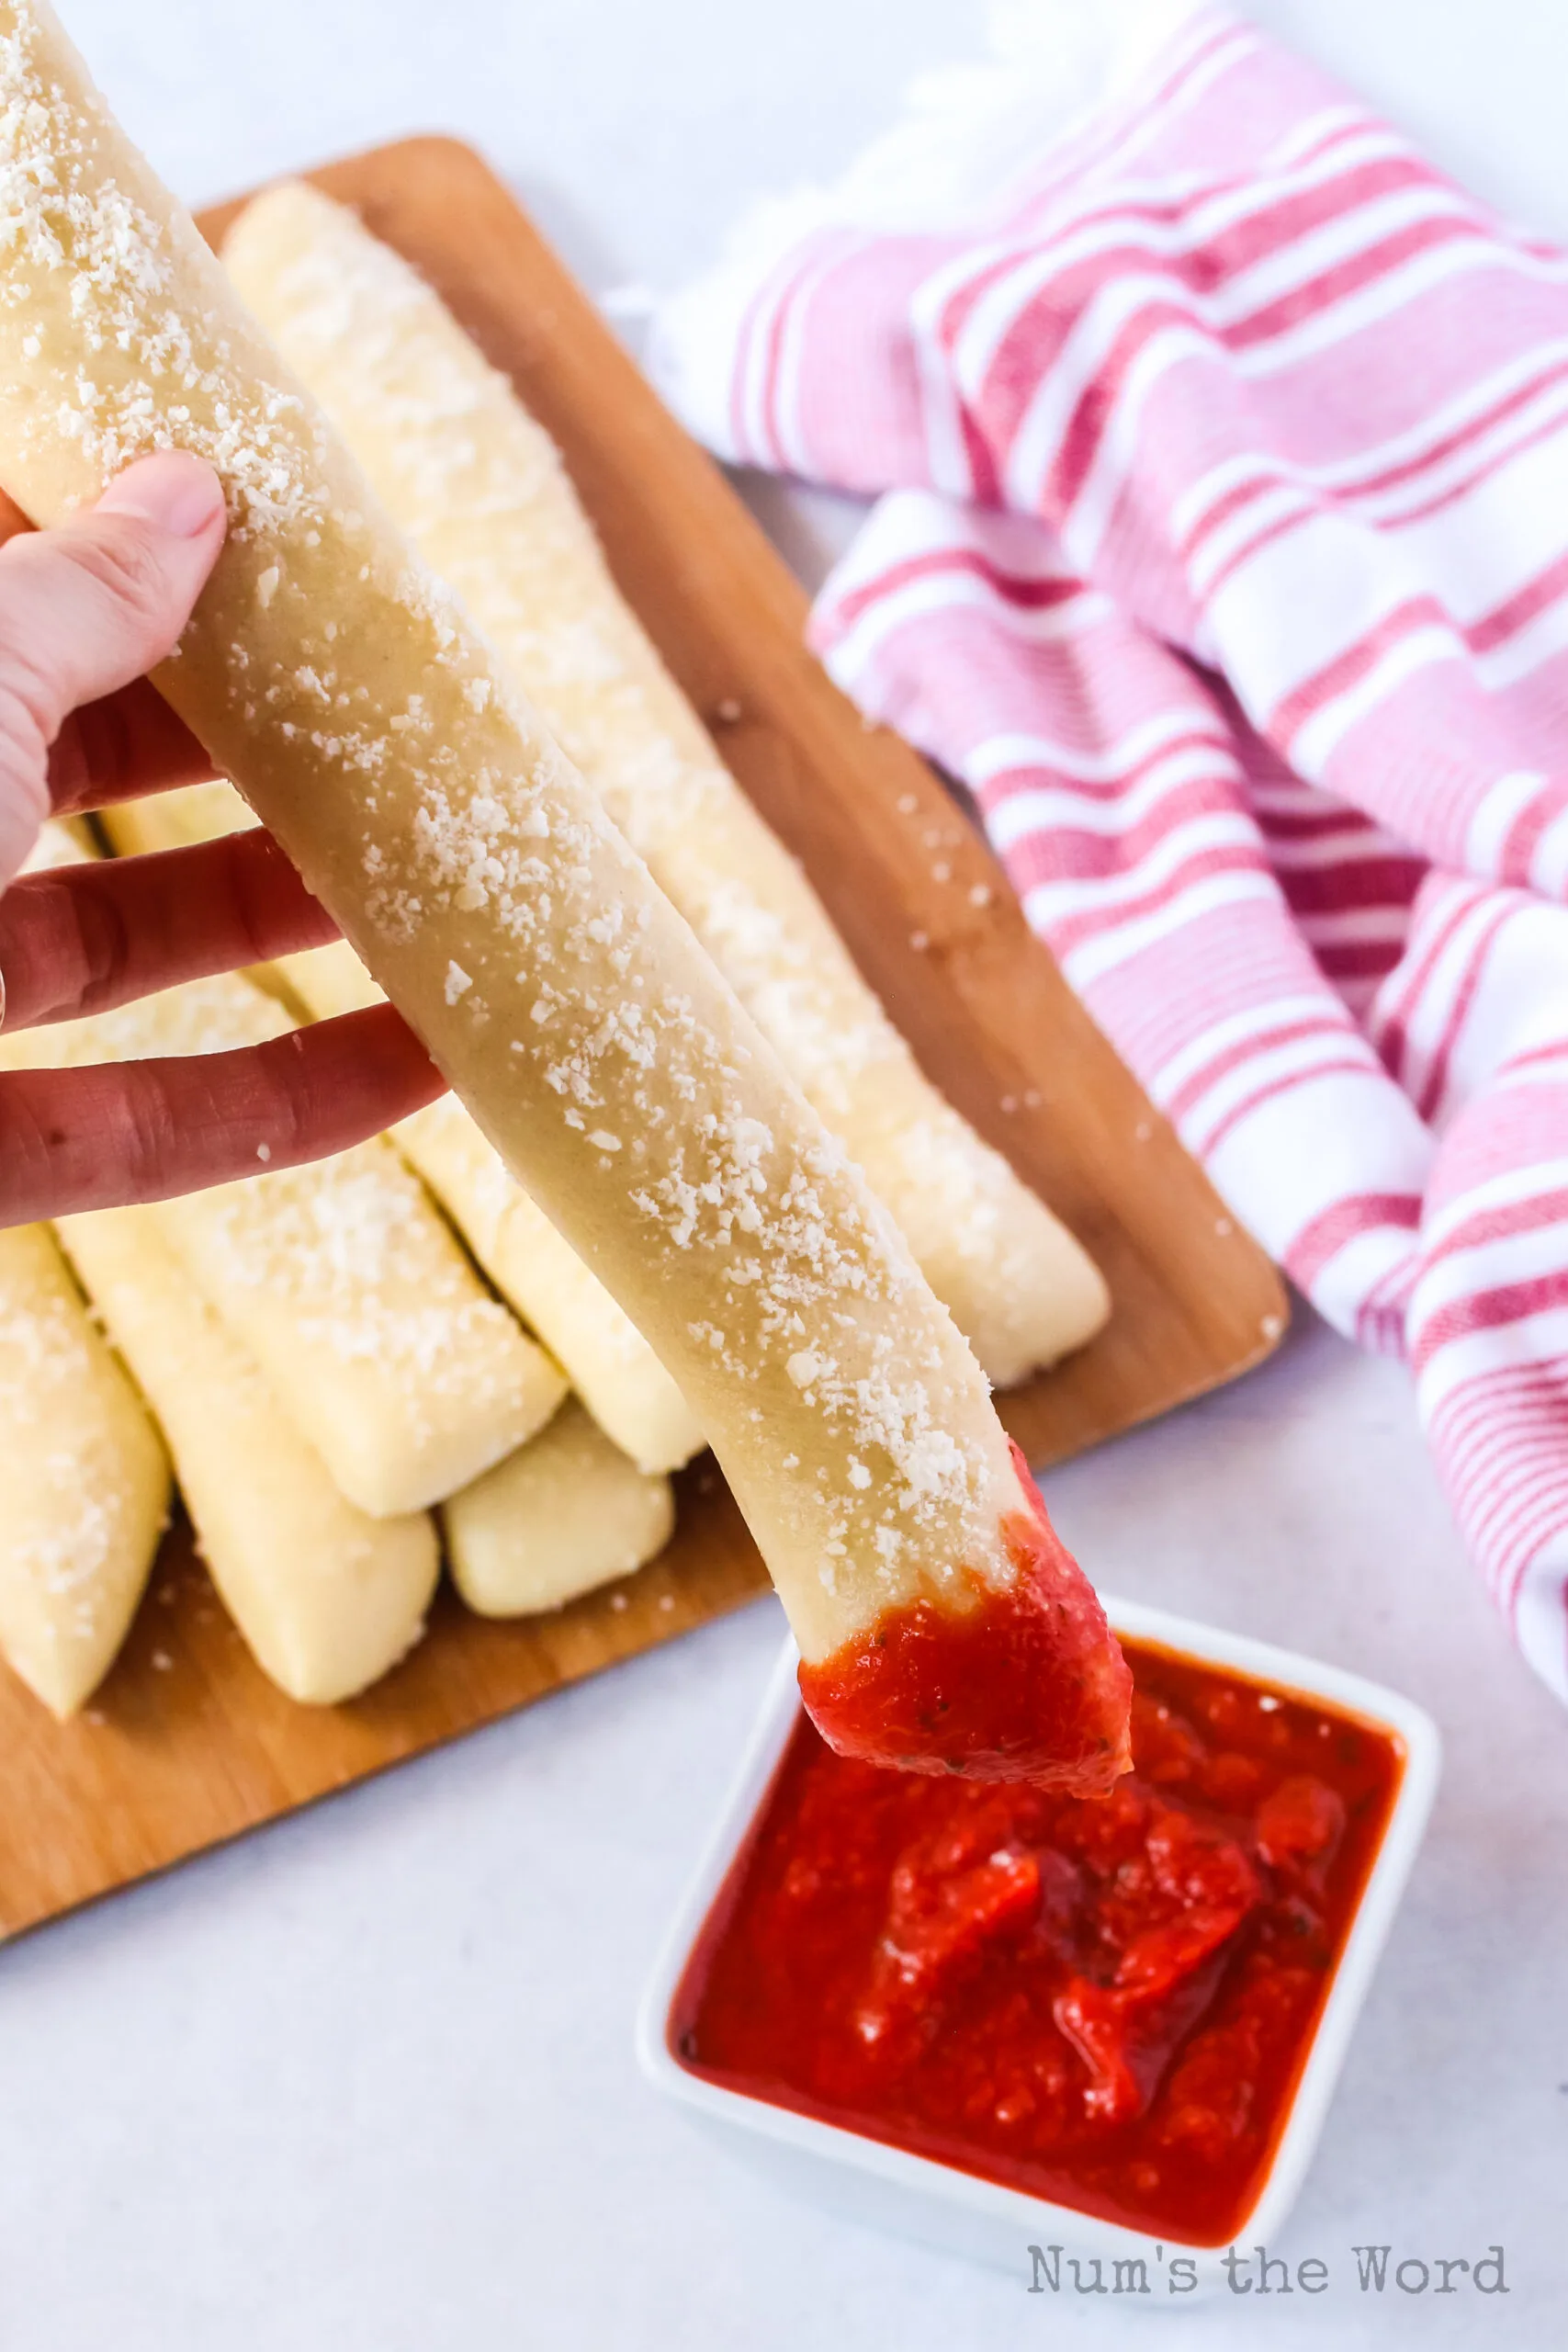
point(179, 493)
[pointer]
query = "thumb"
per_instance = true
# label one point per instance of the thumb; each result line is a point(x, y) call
point(86, 608)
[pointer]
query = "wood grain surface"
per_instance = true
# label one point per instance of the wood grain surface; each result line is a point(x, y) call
point(188, 1744)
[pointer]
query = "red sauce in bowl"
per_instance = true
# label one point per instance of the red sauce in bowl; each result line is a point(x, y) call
point(1106, 2002)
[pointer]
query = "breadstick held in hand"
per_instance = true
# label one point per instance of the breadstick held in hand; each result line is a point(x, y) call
point(368, 724)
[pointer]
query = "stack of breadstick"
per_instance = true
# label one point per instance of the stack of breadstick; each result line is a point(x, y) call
point(479, 488)
point(665, 1066)
point(328, 1374)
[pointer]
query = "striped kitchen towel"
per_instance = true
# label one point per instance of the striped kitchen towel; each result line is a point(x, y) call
point(1219, 448)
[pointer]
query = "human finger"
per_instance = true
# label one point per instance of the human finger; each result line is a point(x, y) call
point(88, 609)
point(85, 938)
point(118, 1132)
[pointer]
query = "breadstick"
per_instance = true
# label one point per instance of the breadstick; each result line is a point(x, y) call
point(479, 487)
point(599, 1349)
point(602, 1353)
point(340, 1278)
point(177, 819)
point(374, 732)
point(84, 1481)
point(566, 1513)
point(326, 1598)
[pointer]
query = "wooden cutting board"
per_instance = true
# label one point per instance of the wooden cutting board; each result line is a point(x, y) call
point(188, 1744)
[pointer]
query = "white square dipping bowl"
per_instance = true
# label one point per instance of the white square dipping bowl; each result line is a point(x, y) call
point(918, 2197)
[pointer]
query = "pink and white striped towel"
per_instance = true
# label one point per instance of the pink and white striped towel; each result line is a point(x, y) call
point(1221, 451)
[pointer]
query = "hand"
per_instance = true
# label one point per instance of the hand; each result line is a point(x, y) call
point(85, 612)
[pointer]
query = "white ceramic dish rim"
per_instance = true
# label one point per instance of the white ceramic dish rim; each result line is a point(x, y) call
point(1033, 2216)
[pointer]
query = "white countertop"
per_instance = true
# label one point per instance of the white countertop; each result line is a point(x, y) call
point(364, 2081)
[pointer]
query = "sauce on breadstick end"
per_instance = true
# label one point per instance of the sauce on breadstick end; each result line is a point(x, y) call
point(988, 1691)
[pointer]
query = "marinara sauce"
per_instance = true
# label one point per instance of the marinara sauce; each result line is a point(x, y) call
point(1105, 2001)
